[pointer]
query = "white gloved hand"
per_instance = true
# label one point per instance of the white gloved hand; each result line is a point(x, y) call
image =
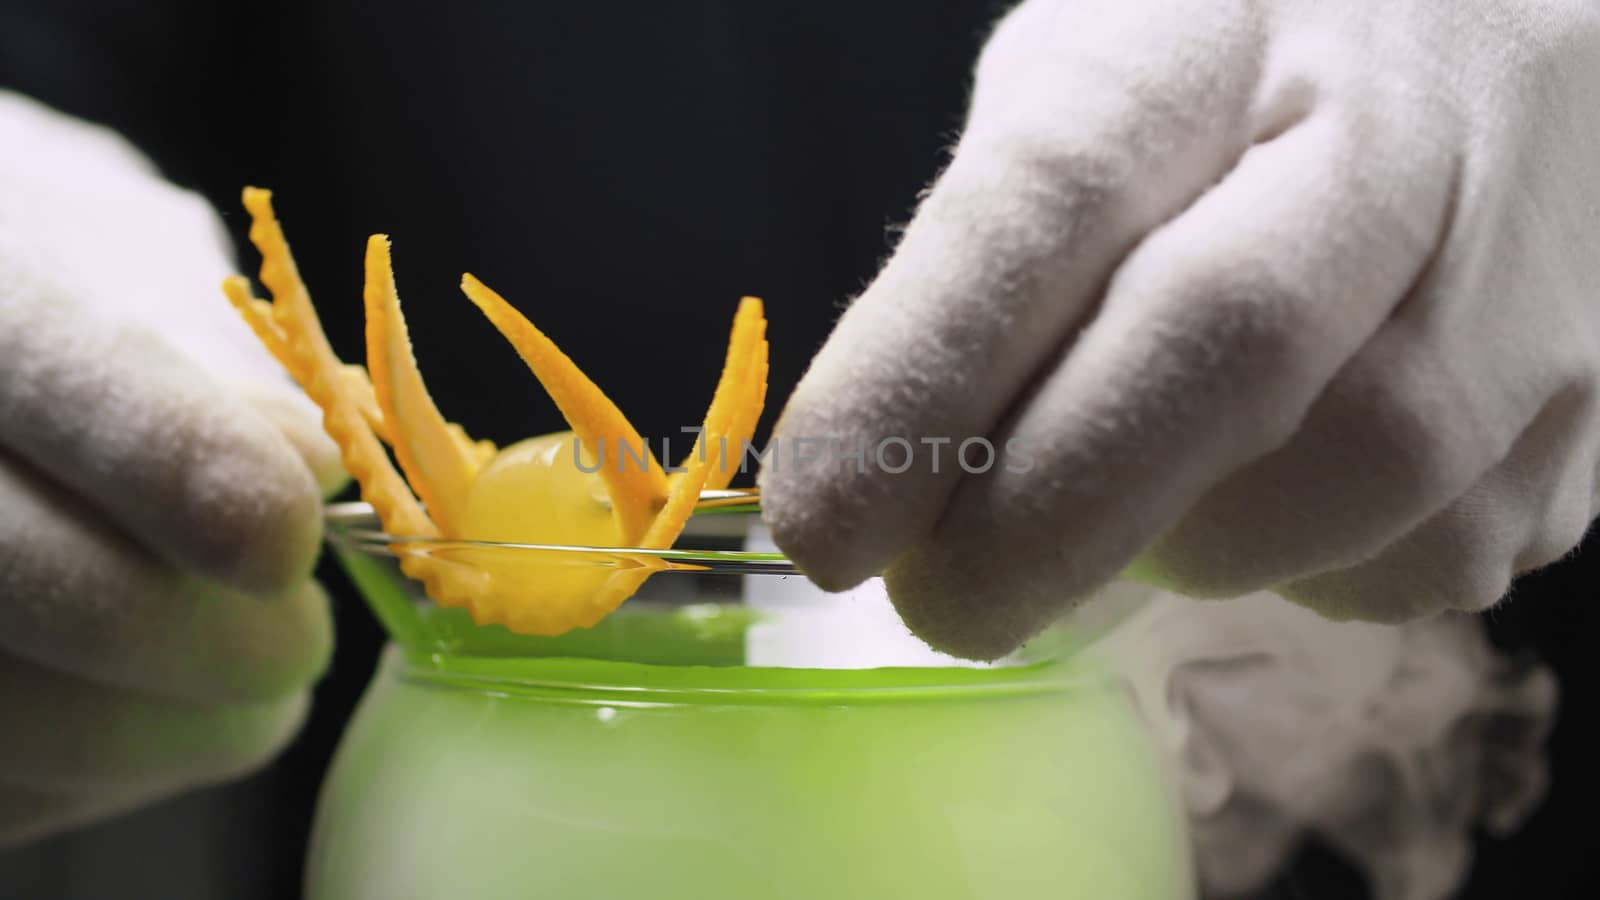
point(158, 625)
point(1296, 295)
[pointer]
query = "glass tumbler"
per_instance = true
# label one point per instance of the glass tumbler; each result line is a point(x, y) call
point(730, 733)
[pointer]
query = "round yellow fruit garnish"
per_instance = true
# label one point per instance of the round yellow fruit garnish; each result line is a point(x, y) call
point(534, 492)
point(477, 498)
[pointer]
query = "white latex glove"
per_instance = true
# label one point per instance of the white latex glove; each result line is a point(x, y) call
point(158, 511)
point(1393, 743)
point(1286, 294)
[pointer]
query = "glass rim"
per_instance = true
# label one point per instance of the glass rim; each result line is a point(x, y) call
point(355, 524)
point(434, 645)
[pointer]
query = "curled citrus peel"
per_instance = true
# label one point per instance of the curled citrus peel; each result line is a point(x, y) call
point(347, 402)
point(532, 492)
point(438, 466)
point(750, 397)
point(636, 489)
point(745, 363)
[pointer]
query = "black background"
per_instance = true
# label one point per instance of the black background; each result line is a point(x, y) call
point(623, 172)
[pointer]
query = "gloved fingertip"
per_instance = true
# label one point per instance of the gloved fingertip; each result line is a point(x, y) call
point(317, 637)
point(807, 543)
point(839, 517)
point(812, 520)
point(958, 607)
point(262, 664)
point(263, 733)
point(832, 556)
point(298, 420)
point(262, 514)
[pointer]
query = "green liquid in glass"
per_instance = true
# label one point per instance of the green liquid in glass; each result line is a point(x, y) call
point(497, 770)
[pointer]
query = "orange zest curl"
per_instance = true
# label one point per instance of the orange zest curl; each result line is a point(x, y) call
point(461, 489)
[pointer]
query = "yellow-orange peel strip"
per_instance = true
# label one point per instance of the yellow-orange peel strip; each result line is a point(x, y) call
point(442, 461)
point(636, 491)
point(361, 390)
point(742, 424)
point(310, 360)
point(734, 408)
point(438, 465)
point(314, 365)
point(729, 404)
point(257, 313)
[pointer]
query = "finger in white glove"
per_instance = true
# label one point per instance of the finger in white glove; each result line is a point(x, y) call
point(79, 595)
point(76, 750)
point(1287, 295)
point(159, 493)
point(166, 453)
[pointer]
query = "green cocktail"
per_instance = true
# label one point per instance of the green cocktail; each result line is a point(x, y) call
point(731, 735)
